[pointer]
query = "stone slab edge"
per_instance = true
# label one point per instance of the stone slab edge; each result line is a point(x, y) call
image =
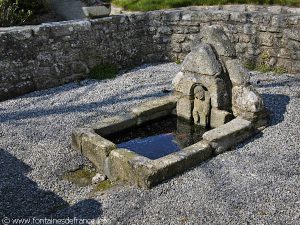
point(228, 135)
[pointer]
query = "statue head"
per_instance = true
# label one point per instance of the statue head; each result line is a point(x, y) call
point(199, 92)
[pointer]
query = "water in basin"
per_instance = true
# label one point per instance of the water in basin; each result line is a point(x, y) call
point(158, 138)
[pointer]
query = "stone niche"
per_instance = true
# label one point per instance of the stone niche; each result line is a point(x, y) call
point(212, 90)
point(213, 85)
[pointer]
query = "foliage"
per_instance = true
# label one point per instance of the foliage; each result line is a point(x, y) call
point(264, 67)
point(177, 61)
point(148, 5)
point(280, 70)
point(11, 14)
point(18, 12)
point(104, 71)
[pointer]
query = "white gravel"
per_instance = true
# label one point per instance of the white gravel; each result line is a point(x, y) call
point(257, 183)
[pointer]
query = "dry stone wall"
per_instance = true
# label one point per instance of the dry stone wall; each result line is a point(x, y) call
point(48, 55)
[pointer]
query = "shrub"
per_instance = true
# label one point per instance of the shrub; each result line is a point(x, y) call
point(33, 5)
point(18, 12)
point(104, 71)
point(11, 14)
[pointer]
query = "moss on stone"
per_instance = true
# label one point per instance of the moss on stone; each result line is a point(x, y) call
point(81, 176)
point(103, 186)
point(128, 154)
point(178, 61)
point(280, 70)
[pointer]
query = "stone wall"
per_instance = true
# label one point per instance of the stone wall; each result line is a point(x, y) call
point(48, 55)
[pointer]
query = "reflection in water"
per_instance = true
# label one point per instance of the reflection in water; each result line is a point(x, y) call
point(158, 138)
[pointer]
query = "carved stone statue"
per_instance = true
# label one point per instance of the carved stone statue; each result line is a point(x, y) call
point(201, 110)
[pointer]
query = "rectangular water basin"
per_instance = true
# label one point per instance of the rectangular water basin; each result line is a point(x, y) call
point(158, 138)
point(150, 144)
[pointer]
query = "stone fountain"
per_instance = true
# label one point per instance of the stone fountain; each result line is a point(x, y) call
point(212, 90)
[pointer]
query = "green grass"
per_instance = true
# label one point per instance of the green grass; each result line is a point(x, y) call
point(148, 5)
point(265, 68)
point(104, 71)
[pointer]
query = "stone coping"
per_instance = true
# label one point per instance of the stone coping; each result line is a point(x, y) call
point(132, 168)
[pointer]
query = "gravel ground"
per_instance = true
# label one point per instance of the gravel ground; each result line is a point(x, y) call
point(256, 183)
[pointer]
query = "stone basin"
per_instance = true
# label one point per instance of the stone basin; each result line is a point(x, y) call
point(131, 167)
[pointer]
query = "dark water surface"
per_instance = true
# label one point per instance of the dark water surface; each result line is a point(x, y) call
point(158, 138)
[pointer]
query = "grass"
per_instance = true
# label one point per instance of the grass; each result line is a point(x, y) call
point(104, 71)
point(263, 65)
point(148, 5)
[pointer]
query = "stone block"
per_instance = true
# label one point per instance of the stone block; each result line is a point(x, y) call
point(266, 39)
point(129, 167)
point(292, 34)
point(183, 82)
point(160, 104)
point(226, 136)
point(178, 38)
point(178, 162)
point(237, 73)
point(92, 146)
point(22, 34)
point(113, 124)
point(202, 60)
point(219, 117)
point(246, 99)
point(259, 119)
point(216, 36)
point(184, 108)
point(155, 109)
point(218, 93)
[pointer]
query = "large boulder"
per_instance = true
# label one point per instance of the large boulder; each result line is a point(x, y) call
point(246, 99)
point(216, 36)
point(237, 73)
point(202, 60)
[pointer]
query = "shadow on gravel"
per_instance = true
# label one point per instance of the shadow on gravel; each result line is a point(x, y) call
point(21, 198)
point(276, 105)
point(71, 108)
point(65, 109)
point(285, 83)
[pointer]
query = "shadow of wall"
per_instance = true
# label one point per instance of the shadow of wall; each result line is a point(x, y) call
point(21, 197)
